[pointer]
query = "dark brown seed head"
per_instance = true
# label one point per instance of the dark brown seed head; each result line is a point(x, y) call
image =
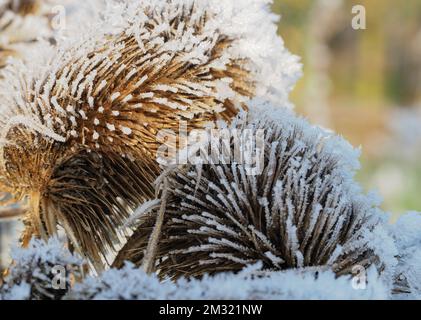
point(80, 132)
point(302, 210)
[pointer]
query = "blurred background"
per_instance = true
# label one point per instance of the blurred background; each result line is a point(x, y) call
point(365, 85)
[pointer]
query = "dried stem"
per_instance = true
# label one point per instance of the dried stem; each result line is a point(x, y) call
point(152, 249)
point(11, 213)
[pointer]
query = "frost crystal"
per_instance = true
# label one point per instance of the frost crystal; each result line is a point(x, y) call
point(140, 67)
point(407, 234)
point(303, 210)
point(133, 284)
point(42, 271)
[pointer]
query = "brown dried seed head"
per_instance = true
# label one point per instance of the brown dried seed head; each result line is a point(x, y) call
point(301, 211)
point(79, 138)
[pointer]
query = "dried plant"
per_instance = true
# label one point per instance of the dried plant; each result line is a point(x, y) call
point(303, 210)
point(31, 278)
point(407, 275)
point(130, 283)
point(43, 271)
point(79, 128)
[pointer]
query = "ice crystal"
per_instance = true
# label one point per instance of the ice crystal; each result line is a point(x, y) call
point(93, 105)
point(407, 234)
point(32, 275)
point(133, 284)
point(304, 208)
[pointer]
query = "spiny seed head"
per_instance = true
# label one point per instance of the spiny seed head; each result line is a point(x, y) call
point(96, 105)
point(43, 271)
point(407, 274)
point(302, 210)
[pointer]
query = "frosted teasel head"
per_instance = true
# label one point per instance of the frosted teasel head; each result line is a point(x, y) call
point(304, 210)
point(79, 124)
point(251, 283)
point(43, 271)
point(407, 274)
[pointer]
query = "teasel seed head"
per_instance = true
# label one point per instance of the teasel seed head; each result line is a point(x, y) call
point(22, 7)
point(407, 275)
point(43, 271)
point(302, 210)
point(96, 105)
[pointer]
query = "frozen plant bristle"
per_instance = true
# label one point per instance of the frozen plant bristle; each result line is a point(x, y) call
point(130, 283)
point(79, 129)
point(407, 234)
point(32, 275)
point(303, 210)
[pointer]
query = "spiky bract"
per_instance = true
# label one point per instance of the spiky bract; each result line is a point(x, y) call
point(104, 96)
point(43, 271)
point(302, 210)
